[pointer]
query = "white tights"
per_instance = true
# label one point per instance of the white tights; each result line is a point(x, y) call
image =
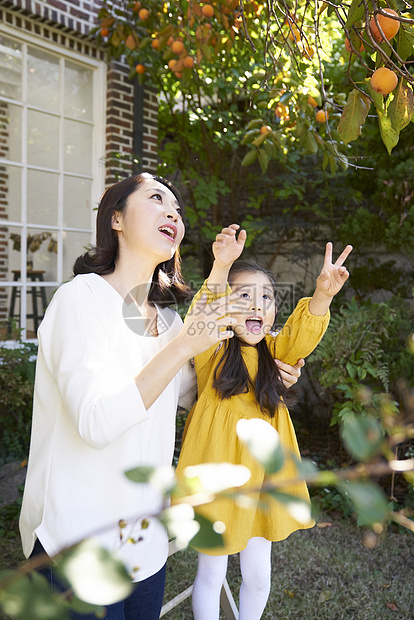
point(254, 590)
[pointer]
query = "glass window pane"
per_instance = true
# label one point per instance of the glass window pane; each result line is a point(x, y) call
point(42, 252)
point(10, 69)
point(42, 80)
point(11, 130)
point(78, 147)
point(10, 193)
point(74, 244)
point(77, 207)
point(43, 267)
point(78, 91)
point(42, 197)
point(42, 139)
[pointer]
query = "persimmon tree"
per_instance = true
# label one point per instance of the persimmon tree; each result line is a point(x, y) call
point(274, 75)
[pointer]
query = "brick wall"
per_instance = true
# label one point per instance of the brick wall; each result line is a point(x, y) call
point(68, 23)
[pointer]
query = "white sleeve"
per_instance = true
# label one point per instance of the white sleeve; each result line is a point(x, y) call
point(73, 338)
point(188, 381)
point(188, 386)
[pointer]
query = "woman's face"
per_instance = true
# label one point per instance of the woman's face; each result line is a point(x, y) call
point(257, 299)
point(151, 222)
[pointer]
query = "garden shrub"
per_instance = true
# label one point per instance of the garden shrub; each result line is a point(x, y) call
point(17, 371)
point(363, 356)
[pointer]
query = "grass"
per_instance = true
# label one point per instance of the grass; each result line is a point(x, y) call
point(318, 574)
point(323, 574)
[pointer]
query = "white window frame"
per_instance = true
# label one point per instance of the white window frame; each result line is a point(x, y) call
point(97, 175)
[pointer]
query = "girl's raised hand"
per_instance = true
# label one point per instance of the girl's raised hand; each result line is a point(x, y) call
point(227, 248)
point(333, 275)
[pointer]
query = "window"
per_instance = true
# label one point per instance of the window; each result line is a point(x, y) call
point(51, 172)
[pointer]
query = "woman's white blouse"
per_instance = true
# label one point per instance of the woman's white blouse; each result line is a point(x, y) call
point(90, 426)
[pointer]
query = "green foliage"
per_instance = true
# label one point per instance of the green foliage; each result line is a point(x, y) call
point(363, 352)
point(30, 598)
point(17, 369)
point(368, 500)
point(329, 500)
point(9, 516)
point(362, 436)
point(266, 67)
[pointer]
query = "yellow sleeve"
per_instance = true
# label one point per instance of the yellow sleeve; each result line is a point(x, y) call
point(202, 358)
point(211, 295)
point(300, 335)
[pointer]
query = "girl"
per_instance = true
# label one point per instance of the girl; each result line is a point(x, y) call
point(236, 380)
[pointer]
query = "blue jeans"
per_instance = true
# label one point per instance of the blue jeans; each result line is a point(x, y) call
point(144, 603)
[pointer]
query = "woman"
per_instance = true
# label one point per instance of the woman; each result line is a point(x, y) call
point(106, 394)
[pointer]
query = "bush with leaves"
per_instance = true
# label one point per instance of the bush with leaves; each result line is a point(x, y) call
point(17, 372)
point(362, 356)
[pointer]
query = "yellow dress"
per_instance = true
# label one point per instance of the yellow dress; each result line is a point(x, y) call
point(210, 435)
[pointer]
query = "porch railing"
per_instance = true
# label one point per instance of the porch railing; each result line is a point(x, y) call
point(226, 598)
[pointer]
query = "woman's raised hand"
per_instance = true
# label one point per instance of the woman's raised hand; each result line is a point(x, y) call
point(208, 324)
point(227, 248)
point(333, 275)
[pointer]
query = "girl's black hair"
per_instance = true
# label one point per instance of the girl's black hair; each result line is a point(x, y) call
point(231, 376)
point(168, 286)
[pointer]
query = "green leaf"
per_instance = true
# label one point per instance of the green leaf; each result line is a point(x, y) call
point(401, 107)
point(263, 159)
point(140, 474)
point(162, 478)
point(369, 501)
point(405, 42)
point(263, 442)
point(351, 370)
point(249, 136)
point(355, 13)
point(207, 51)
point(94, 574)
point(206, 536)
point(353, 116)
point(275, 138)
point(311, 146)
point(377, 98)
point(389, 136)
point(305, 467)
point(249, 158)
point(31, 598)
point(362, 436)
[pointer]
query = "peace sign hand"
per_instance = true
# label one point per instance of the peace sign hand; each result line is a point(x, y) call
point(333, 276)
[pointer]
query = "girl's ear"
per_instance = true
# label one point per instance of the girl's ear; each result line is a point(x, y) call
point(116, 221)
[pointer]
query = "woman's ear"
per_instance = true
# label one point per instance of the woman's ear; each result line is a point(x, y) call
point(116, 222)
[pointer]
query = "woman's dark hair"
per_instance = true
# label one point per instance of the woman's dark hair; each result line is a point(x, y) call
point(168, 286)
point(231, 376)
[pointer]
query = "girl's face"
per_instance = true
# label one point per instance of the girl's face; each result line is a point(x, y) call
point(151, 222)
point(257, 299)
